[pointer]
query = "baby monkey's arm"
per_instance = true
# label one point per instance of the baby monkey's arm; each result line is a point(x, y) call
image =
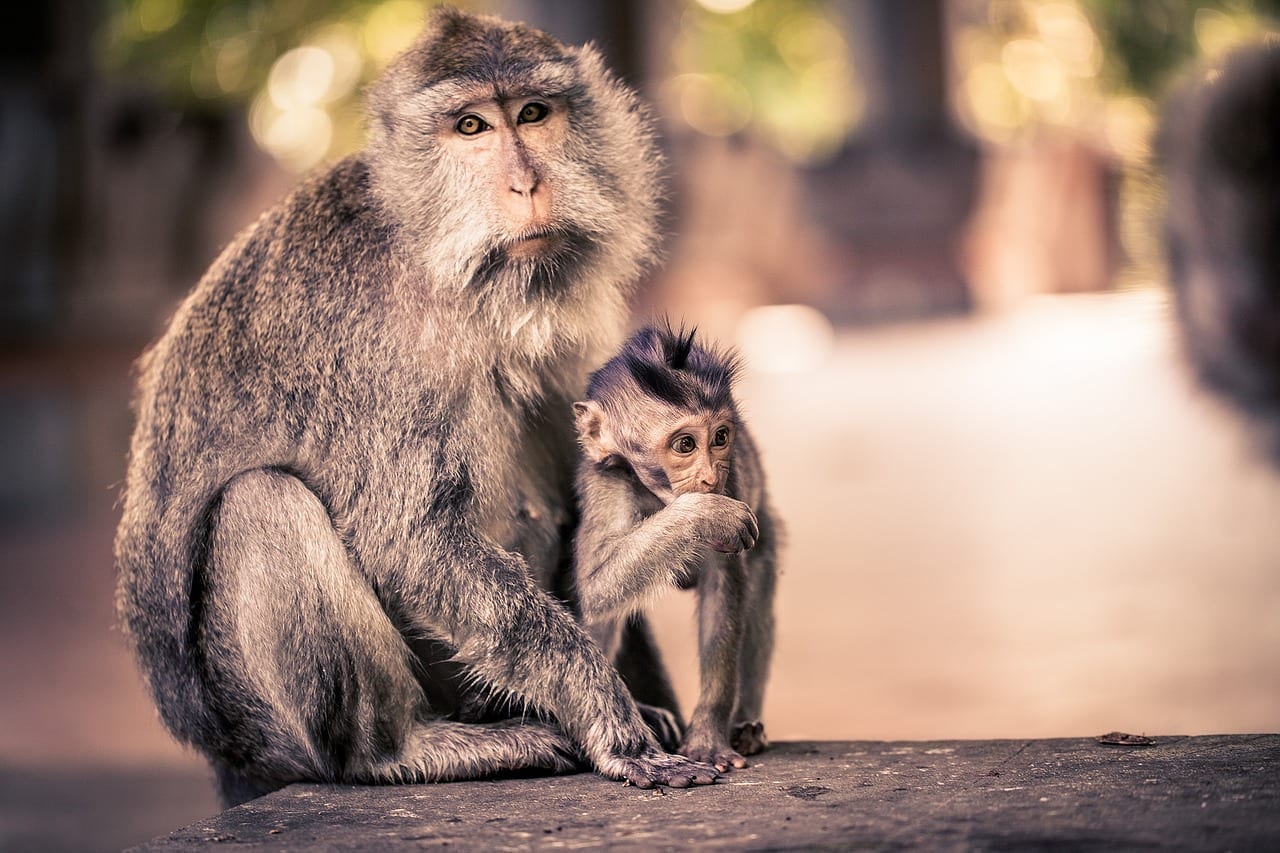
point(625, 558)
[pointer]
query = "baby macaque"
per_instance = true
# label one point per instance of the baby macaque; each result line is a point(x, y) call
point(672, 495)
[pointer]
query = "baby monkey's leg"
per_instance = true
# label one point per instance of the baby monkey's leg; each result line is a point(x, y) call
point(721, 598)
point(747, 734)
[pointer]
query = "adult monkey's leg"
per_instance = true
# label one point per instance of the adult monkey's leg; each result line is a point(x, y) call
point(307, 674)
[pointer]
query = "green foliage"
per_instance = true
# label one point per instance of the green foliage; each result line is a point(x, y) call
point(222, 51)
point(296, 67)
point(781, 67)
point(1148, 41)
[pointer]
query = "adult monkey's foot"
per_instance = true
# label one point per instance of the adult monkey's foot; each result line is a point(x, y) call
point(659, 768)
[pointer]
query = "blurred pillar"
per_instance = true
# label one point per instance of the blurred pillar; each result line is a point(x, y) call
point(43, 69)
point(893, 202)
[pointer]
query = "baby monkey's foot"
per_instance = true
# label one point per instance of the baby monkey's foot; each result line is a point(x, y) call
point(749, 738)
point(716, 753)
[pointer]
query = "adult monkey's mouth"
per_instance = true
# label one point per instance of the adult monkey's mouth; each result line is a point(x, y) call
point(548, 255)
point(537, 243)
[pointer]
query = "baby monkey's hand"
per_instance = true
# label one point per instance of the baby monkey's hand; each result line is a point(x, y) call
point(727, 525)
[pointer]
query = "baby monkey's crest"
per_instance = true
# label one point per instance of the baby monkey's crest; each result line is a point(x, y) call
point(669, 365)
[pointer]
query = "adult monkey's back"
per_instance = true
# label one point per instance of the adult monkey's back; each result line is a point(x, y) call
point(361, 416)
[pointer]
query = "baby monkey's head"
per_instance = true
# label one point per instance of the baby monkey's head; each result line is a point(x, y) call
point(663, 408)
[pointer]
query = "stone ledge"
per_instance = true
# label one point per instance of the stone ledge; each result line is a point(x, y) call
point(1192, 793)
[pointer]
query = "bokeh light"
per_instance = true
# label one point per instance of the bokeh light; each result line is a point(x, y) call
point(156, 16)
point(300, 78)
point(1033, 70)
point(1090, 68)
point(711, 104)
point(297, 66)
point(780, 70)
point(1067, 33)
point(389, 28)
point(725, 7)
point(231, 65)
point(297, 137)
point(784, 338)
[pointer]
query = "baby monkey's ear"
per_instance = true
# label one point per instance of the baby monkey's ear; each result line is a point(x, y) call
point(589, 418)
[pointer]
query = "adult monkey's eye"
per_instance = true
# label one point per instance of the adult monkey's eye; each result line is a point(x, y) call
point(722, 437)
point(531, 112)
point(470, 125)
point(684, 444)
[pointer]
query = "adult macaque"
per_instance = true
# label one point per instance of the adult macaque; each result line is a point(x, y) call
point(672, 495)
point(352, 467)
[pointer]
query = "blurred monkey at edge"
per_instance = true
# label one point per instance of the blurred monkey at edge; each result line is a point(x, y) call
point(1220, 148)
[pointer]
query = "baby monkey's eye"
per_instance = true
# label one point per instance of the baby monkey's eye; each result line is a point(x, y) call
point(721, 438)
point(684, 444)
point(470, 125)
point(531, 112)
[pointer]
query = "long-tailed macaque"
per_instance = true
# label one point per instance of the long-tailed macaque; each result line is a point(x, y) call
point(352, 466)
point(1220, 149)
point(672, 495)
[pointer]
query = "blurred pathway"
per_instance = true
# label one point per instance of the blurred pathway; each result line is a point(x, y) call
point(1025, 525)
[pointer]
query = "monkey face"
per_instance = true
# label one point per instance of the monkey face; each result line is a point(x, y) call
point(509, 151)
point(504, 147)
point(695, 453)
point(518, 164)
point(670, 451)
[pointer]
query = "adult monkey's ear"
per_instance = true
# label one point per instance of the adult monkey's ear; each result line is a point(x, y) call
point(589, 418)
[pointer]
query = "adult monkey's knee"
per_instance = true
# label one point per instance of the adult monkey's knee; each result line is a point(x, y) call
point(306, 673)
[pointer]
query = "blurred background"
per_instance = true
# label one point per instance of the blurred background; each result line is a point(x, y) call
point(933, 229)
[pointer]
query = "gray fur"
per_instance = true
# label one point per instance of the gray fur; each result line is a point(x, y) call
point(1220, 151)
point(350, 483)
point(633, 545)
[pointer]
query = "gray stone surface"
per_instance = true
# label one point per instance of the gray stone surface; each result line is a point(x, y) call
point(1194, 793)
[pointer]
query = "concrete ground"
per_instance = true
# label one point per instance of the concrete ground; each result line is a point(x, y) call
point(1205, 793)
point(1024, 525)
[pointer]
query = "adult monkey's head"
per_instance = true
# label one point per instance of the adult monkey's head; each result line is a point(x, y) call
point(519, 168)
